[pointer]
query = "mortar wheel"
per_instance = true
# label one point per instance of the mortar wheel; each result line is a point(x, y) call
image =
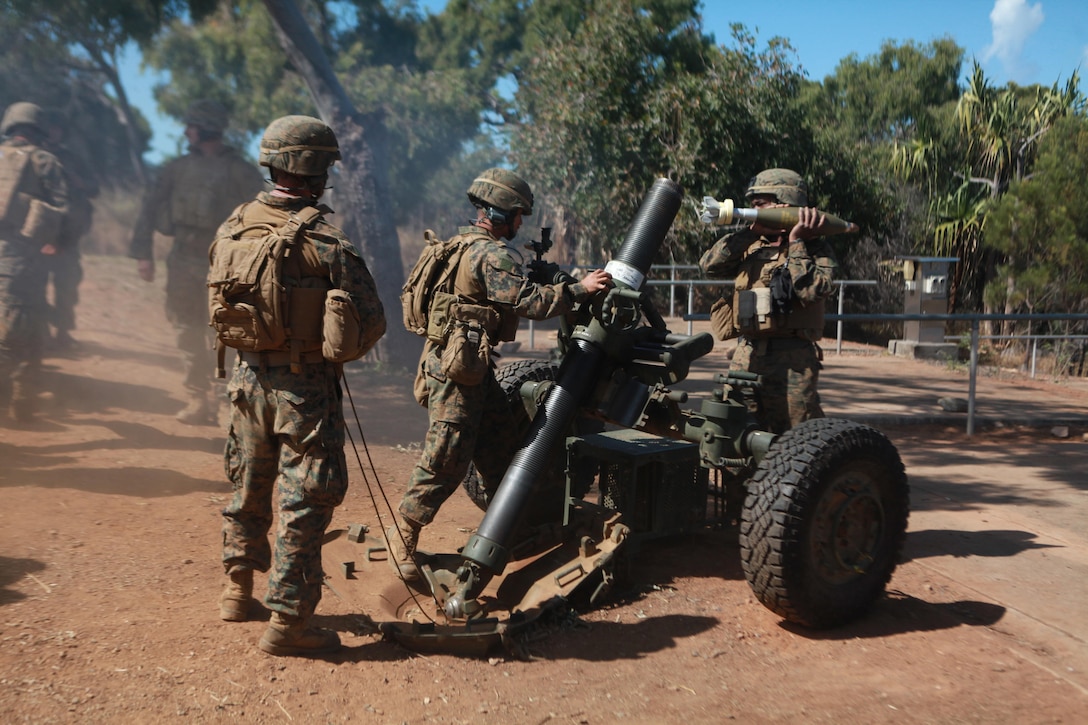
point(824, 522)
point(510, 378)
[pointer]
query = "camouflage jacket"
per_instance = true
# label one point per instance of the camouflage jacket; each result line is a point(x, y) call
point(191, 197)
point(326, 255)
point(491, 273)
point(45, 181)
point(750, 259)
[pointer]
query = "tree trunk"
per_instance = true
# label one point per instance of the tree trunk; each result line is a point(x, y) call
point(362, 186)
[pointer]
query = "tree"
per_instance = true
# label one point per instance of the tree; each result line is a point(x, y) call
point(99, 30)
point(633, 91)
point(1040, 228)
point(35, 66)
point(998, 131)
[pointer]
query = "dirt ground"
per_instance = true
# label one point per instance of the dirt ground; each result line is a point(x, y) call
point(109, 575)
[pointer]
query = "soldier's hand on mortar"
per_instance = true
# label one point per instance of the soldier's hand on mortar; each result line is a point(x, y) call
point(596, 281)
point(809, 223)
point(146, 268)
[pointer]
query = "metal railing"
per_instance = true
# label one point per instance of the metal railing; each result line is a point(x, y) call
point(974, 319)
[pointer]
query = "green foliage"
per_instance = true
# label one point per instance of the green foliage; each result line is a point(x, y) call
point(1041, 227)
point(38, 66)
point(995, 144)
point(630, 94)
point(232, 57)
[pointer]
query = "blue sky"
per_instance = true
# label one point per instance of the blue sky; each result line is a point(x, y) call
point(1013, 40)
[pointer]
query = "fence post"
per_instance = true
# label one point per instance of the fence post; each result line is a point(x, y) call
point(973, 378)
point(691, 305)
point(672, 290)
point(838, 325)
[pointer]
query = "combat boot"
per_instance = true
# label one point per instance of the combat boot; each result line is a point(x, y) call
point(237, 596)
point(289, 636)
point(199, 411)
point(401, 540)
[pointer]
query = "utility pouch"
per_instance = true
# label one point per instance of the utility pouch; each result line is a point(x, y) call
point(419, 388)
point(467, 355)
point(721, 320)
point(753, 310)
point(439, 317)
point(43, 222)
point(241, 326)
point(342, 330)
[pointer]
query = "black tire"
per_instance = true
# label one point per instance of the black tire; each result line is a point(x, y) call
point(510, 378)
point(824, 522)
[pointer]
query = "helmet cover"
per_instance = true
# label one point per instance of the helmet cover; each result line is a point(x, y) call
point(786, 186)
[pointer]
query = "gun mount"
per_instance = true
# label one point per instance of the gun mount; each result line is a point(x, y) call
point(822, 508)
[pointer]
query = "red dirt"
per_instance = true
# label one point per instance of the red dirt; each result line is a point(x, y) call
point(109, 574)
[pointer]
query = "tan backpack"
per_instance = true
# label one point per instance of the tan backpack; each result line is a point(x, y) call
point(427, 293)
point(251, 306)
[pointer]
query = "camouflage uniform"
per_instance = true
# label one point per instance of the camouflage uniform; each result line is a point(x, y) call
point(191, 197)
point(474, 423)
point(22, 265)
point(787, 356)
point(65, 266)
point(287, 430)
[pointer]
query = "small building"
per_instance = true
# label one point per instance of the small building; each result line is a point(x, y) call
point(925, 292)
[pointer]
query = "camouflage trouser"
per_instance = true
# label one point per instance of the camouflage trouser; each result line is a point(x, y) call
point(187, 307)
point(286, 433)
point(22, 321)
point(791, 369)
point(469, 424)
point(67, 272)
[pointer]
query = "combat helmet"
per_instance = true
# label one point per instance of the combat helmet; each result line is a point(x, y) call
point(786, 186)
point(207, 115)
point(300, 145)
point(501, 189)
point(22, 114)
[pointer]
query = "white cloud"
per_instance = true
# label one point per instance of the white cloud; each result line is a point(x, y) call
point(1013, 21)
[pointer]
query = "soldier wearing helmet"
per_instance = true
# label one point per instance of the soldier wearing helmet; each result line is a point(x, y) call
point(33, 206)
point(65, 268)
point(470, 419)
point(782, 278)
point(287, 423)
point(190, 198)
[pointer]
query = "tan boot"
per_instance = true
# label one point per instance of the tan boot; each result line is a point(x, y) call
point(199, 411)
point(401, 540)
point(237, 596)
point(288, 636)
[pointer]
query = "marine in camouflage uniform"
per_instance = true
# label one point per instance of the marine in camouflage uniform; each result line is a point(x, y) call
point(473, 423)
point(32, 209)
point(191, 197)
point(287, 428)
point(65, 267)
point(783, 350)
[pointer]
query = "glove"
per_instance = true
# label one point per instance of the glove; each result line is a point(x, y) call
point(781, 291)
point(541, 272)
